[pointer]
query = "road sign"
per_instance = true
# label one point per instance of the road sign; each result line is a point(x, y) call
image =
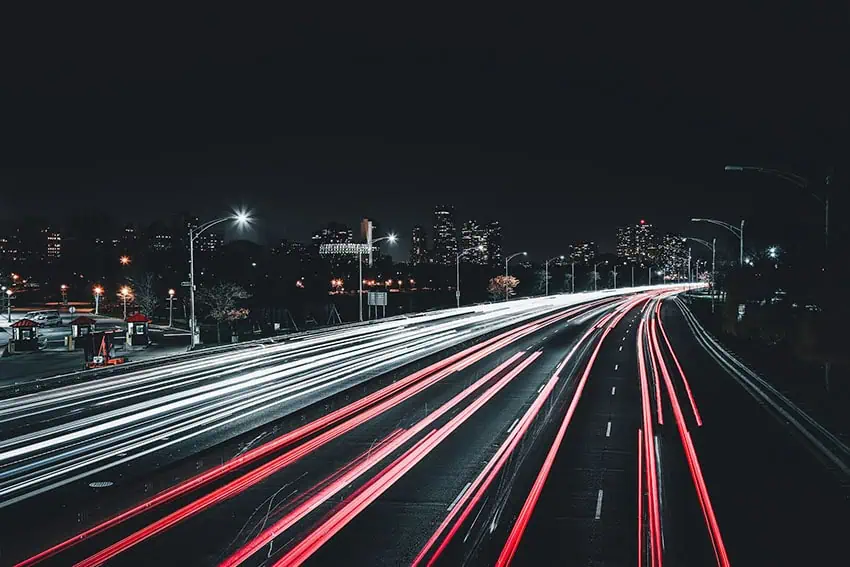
point(378, 298)
point(185, 284)
point(343, 248)
point(72, 310)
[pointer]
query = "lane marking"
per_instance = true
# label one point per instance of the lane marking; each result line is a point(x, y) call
point(616, 367)
point(599, 504)
point(608, 430)
point(540, 389)
point(613, 390)
point(511, 428)
point(621, 348)
point(460, 494)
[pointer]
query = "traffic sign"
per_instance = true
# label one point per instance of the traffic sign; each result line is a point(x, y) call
point(72, 310)
point(185, 284)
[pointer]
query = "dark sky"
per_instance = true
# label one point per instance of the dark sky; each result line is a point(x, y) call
point(562, 125)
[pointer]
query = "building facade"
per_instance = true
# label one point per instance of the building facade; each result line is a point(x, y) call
point(445, 236)
point(583, 252)
point(493, 243)
point(474, 239)
point(419, 246)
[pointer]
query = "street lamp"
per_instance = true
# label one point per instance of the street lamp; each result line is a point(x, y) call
point(615, 276)
point(508, 259)
point(389, 238)
point(241, 218)
point(125, 294)
point(713, 248)
point(546, 268)
point(171, 294)
point(800, 182)
point(64, 289)
point(124, 260)
point(98, 291)
point(739, 232)
point(9, 305)
point(595, 273)
point(480, 248)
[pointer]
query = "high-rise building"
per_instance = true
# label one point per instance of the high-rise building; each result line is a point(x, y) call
point(583, 252)
point(625, 243)
point(673, 256)
point(159, 238)
point(332, 233)
point(637, 244)
point(208, 242)
point(53, 244)
point(418, 246)
point(493, 242)
point(445, 236)
point(474, 239)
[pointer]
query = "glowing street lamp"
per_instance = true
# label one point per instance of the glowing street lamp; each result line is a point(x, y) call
point(241, 218)
point(98, 291)
point(391, 238)
point(64, 289)
point(171, 294)
point(125, 293)
point(507, 260)
point(124, 260)
point(9, 305)
point(546, 268)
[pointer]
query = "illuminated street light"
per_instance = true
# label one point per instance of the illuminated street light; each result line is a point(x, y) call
point(546, 268)
point(508, 259)
point(391, 238)
point(98, 291)
point(64, 289)
point(739, 232)
point(773, 252)
point(124, 260)
point(125, 294)
point(241, 218)
point(171, 294)
point(9, 304)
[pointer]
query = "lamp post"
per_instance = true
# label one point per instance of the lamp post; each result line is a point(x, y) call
point(546, 269)
point(633, 275)
point(508, 259)
point(171, 294)
point(64, 290)
point(800, 182)
point(9, 305)
point(125, 294)
point(596, 274)
point(242, 218)
point(457, 270)
point(391, 238)
point(615, 276)
point(572, 277)
point(98, 291)
point(739, 232)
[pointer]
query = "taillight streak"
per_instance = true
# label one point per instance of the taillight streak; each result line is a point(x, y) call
point(479, 486)
point(512, 543)
point(381, 482)
point(678, 366)
point(693, 465)
point(651, 471)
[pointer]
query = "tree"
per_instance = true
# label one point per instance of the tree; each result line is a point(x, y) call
point(145, 294)
point(221, 300)
point(502, 286)
point(568, 282)
point(540, 281)
point(592, 277)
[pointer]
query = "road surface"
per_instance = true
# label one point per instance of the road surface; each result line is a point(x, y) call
point(611, 432)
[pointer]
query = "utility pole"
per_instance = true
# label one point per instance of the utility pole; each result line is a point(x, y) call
point(633, 276)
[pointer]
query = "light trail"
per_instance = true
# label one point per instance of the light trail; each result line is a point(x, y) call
point(521, 522)
point(381, 482)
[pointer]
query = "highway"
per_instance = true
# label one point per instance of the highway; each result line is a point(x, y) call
point(604, 429)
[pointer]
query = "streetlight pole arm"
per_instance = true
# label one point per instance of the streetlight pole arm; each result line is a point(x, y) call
point(734, 230)
point(196, 232)
point(701, 241)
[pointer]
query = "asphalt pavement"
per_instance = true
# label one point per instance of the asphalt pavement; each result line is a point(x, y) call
point(540, 443)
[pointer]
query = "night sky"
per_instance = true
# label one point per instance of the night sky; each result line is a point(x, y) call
point(561, 125)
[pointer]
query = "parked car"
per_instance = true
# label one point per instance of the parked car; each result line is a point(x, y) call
point(45, 318)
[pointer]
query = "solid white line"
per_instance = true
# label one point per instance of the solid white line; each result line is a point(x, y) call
point(621, 348)
point(616, 367)
point(461, 493)
point(613, 390)
point(599, 504)
point(608, 430)
point(511, 428)
point(541, 388)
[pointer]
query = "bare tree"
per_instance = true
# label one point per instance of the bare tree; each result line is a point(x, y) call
point(500, 286)
point(144, 290)
point(540, 281)
point(221, 300)
point(593, 277)
point(568, 282)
